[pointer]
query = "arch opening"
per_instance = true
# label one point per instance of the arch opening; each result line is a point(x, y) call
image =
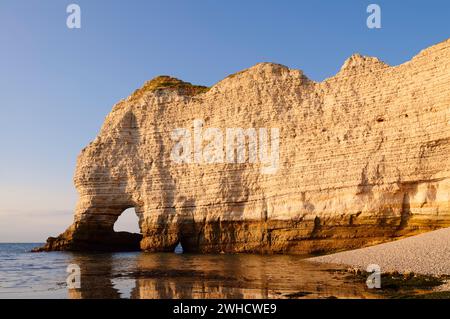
point(178, 248)
point(128, 221)
point(126, 234)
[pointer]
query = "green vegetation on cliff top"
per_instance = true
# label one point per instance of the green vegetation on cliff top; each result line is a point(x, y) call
point(164, 82)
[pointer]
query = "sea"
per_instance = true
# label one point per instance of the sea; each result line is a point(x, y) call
point(140, 275)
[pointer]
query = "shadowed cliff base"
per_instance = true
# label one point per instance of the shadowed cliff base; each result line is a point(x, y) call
point(93, 240)
point(272, 237)
point(363, 158)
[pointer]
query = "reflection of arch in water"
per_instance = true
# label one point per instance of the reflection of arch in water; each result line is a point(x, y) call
point(96, 273)
point(202, 276)
point(172, 276)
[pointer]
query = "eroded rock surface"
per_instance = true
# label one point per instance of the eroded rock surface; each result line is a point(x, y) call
point(363, 158)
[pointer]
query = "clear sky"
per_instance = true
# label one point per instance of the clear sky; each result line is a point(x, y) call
point(58, 84)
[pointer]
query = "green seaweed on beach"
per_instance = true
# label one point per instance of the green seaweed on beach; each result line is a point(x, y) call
point(408, 285)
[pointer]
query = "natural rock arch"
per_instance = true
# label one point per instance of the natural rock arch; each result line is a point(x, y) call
point(354, 168)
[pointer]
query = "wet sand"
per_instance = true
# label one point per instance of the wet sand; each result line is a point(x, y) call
point(178, 276)
point(172, 276)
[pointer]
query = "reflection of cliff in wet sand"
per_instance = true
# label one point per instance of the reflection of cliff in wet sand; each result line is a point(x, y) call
point(363, 158)
point(95, 280)
point(156, 276)
point(244, 276)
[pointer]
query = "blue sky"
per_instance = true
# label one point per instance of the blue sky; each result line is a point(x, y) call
point(58, 84)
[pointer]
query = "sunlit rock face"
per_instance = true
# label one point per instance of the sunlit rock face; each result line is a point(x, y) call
point(363, 157)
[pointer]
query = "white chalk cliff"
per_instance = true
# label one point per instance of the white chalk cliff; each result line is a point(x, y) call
point(363, 158)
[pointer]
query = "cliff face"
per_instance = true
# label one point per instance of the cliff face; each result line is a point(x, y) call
point(362, 157)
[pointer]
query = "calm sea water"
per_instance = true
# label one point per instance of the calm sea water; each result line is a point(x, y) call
point(143, 275)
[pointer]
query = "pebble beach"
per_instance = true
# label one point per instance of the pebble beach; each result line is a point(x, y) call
point(427, 254)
